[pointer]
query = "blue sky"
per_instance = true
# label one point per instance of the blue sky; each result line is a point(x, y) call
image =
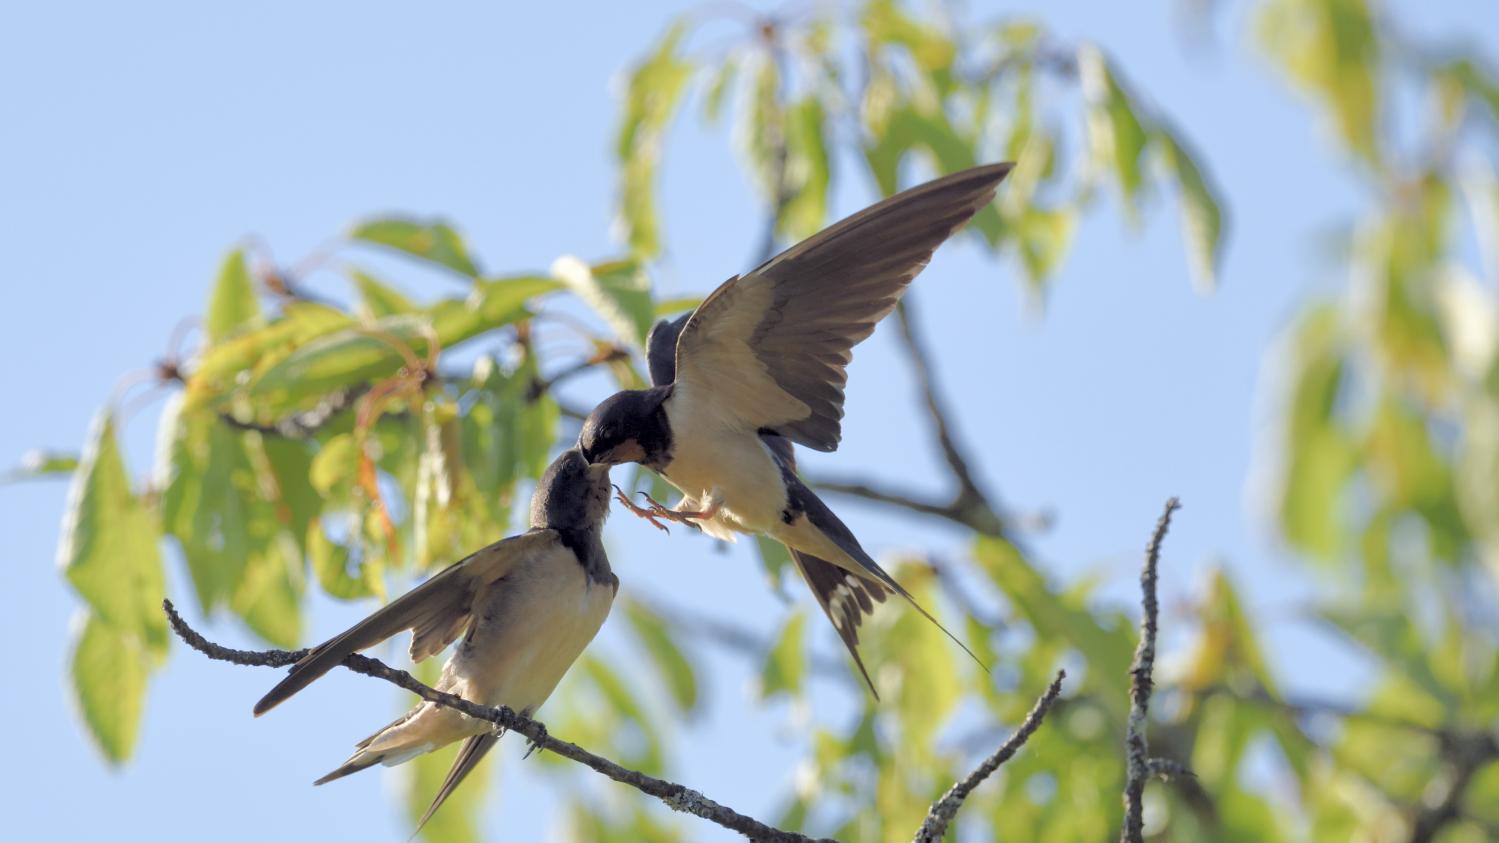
point(143, 140)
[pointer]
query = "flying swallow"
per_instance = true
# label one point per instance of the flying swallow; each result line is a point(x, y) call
point(525, 606)
point(845, 599)
point(762, 364)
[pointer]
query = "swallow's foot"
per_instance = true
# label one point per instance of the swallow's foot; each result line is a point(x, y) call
point(535, 745)
point(643, 512)
point(690, 517)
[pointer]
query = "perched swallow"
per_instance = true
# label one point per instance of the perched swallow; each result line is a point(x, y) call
point(526, 607)
point(761, 364)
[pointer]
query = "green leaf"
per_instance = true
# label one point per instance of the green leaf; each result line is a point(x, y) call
point(269, 596)
point(1331, 49)
point(206, 487)
point(644, 754)
point(619, 292)
point(335, 464)
point(429, 240)
point(359, 354)
point(1107, 650)
point(807, 169)
point(109, 670)
point(1321, 455)
point(1389, 633)
point(379, 299)
point(38, 463)
point(223, 366)
point(1044, 237)
point(719, 86)
point(233, 304)
point(665, 653)
point(909, 128)
point(652, 96)
point(929, 687)
point(330, 564)
point(774, 559)
point(785, 665)
point(886, 23)
point(677, 305)
point(1115, 131)
point(1202, 217)
point(110, 549)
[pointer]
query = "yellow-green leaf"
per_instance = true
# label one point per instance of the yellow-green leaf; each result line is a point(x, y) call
point(109, 670)
point(1115, 131)
point(665, 653)
point(233, 304)
point(786, 664)
point(618, 291)
point(1201, 212)
point(430, 240)
point(651, 99)
point(110, 548)
point(379, 299)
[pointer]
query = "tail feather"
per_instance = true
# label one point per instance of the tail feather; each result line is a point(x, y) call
point(823, 519)
point(360, 761)
point(472, 752)
point(844, 598)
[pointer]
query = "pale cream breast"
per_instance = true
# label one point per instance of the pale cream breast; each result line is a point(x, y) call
point(530, 631)
point(710, 457)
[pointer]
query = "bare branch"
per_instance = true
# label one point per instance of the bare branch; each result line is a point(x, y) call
point(968, 506)
point(674, 796)
point(944, 809)
point(1142, 684)
point(921, 365)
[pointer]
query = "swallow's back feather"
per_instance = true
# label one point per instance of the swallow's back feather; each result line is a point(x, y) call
point(436, 611)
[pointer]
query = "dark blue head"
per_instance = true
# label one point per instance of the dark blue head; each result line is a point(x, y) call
point(629, 426)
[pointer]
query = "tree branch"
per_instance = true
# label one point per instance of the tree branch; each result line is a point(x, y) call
point(945, 809)
point(1142, 684)
point(968, 506)
point(921, 366)
point(674, 796)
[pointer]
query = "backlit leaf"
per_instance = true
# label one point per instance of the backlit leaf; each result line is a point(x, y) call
point(654, 91)
point(430, 240)
point(786, 663)
point(1201, 213)
point(619, 292)
point(109, 670)
point(665, 653)
point(110, 547)
point(233, 304)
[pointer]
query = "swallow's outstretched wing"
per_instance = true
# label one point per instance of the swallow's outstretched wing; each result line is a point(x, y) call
point(769, 349)
point(436, 612)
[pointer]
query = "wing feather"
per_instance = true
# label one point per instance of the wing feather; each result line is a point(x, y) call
point(771, 348)
point(437, 611)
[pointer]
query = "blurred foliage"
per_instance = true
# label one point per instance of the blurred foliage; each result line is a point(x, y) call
point(351, 445)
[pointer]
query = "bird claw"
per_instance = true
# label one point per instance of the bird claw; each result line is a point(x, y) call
point(648, 513)
point(534, 745)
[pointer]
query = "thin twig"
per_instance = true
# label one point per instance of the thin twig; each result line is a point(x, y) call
point(1142, 684)
point(921, 366)
point(968, 506)
point(674, 796)
point(944, 809)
